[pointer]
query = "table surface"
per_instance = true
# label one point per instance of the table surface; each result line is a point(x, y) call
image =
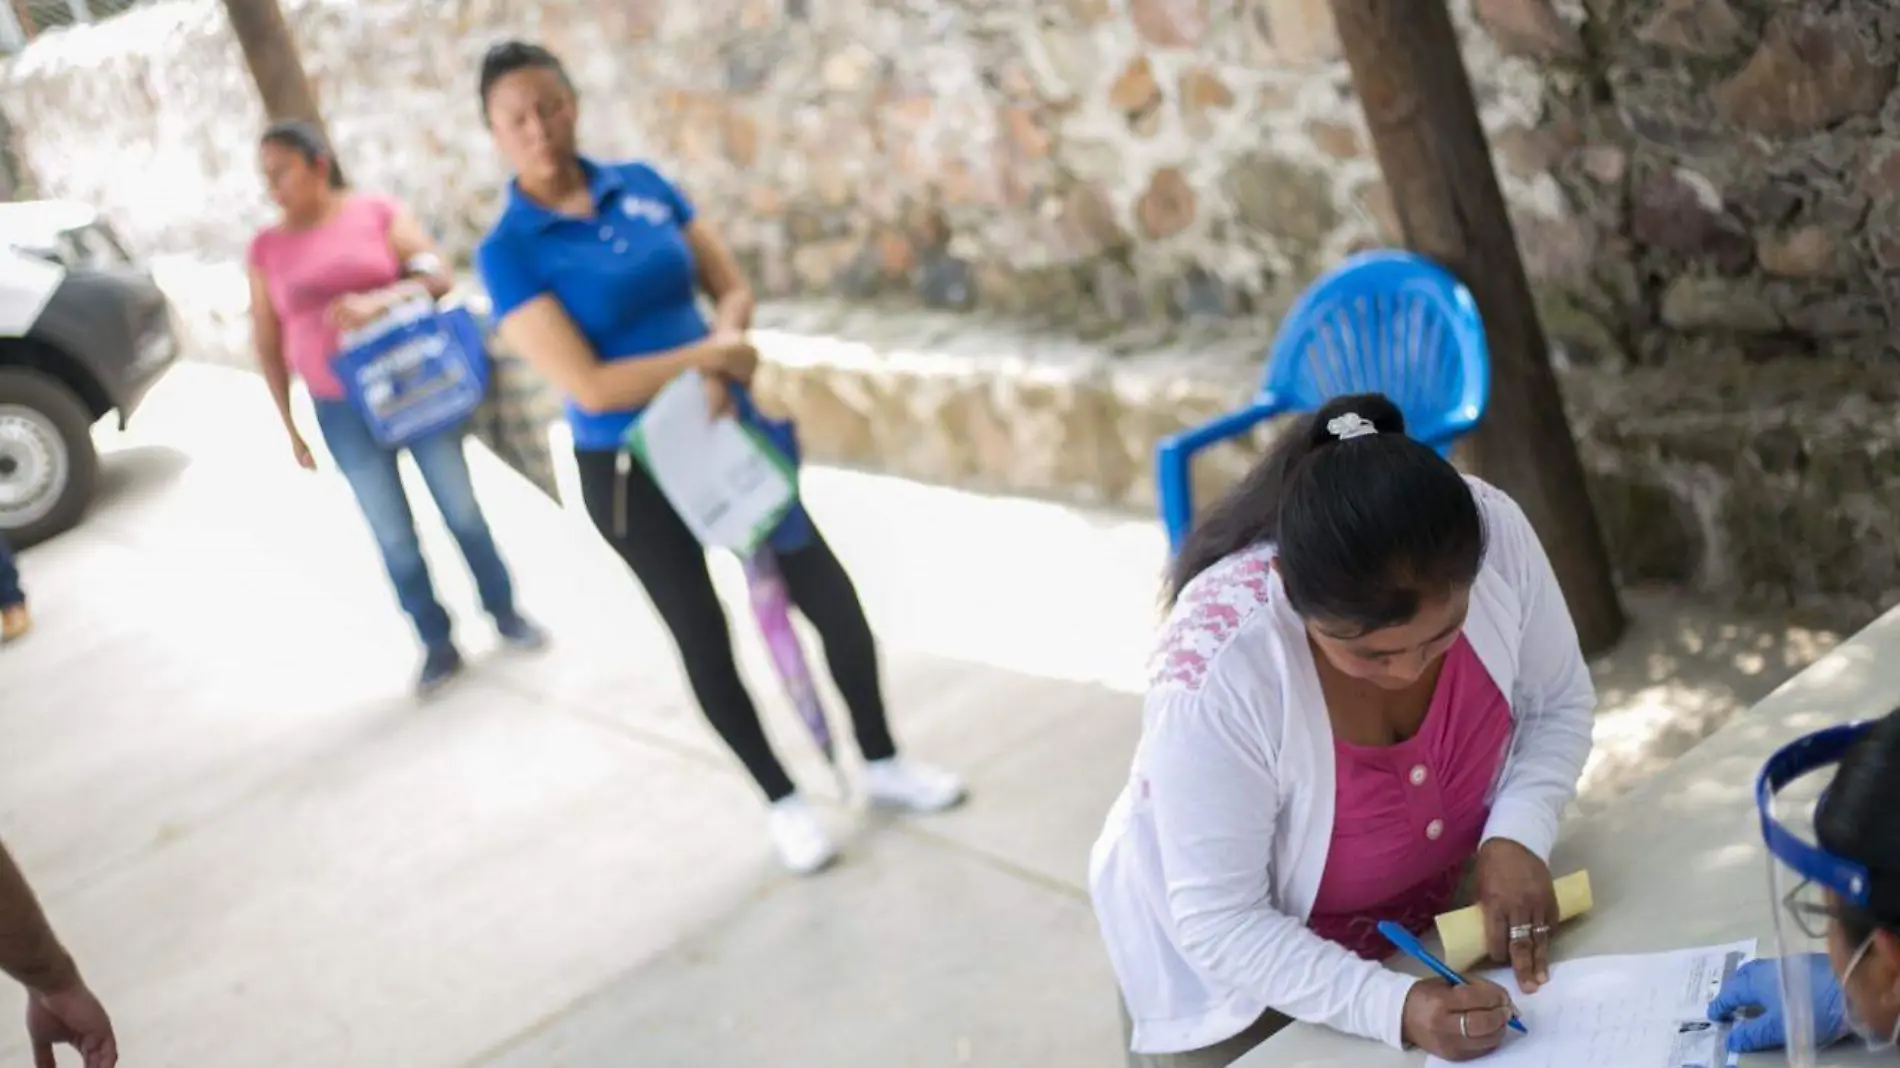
point(1693, 822)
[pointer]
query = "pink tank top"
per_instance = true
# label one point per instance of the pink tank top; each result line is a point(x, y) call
point(1407, 817)
point(304, 270)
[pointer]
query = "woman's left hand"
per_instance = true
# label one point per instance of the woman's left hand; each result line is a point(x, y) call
point(355, 311)
point(1520, 908)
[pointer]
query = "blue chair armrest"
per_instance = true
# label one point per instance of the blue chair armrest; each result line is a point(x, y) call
point(1231, 425)
point(1175, 453)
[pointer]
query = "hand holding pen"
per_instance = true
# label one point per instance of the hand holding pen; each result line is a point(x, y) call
point(1457, 1023)
point(1451, 1016)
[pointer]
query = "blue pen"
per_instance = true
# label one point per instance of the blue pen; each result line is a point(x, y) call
point(1403, 939)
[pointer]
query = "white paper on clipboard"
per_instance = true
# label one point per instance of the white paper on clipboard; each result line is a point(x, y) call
point(1645, 1010)
point(721, 477)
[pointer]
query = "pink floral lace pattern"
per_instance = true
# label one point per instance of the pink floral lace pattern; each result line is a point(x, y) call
point(1210, 611)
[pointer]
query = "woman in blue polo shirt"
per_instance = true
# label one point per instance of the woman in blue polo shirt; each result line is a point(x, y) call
point(594, 270)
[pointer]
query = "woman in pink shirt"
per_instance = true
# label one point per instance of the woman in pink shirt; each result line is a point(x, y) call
point(1367, 687)
point(336, 261)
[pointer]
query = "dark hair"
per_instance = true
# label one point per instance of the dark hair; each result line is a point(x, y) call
point(1366, 526)
point(507, 57)
point(1858, 818)
point(307, 141)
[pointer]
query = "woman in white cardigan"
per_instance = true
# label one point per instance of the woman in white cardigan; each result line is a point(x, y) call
point(1368, 685)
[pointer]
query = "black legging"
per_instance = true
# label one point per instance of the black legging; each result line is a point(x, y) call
point(649, 535)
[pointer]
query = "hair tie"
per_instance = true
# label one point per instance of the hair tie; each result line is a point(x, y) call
point(1349, 426)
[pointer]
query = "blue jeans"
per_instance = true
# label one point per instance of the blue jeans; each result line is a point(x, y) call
point(371, 471)
point(11, 596)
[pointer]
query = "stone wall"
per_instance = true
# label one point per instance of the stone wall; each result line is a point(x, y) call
point(1093, 159)
point(1708, 171)
point(15, 182)
point(1711, 171)
point(1703, 190)
point(1767, 486)
point(1759, 485)
point(1735, 162)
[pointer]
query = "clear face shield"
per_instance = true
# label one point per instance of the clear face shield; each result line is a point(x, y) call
point(1810, 888)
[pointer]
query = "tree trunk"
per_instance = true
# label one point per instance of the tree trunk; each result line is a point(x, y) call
point(1423, 118)
point(271, 53)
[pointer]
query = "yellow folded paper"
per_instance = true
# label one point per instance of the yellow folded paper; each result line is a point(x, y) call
point(1462, 932)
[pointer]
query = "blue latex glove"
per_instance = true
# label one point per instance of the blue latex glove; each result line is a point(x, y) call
point(1757, 985)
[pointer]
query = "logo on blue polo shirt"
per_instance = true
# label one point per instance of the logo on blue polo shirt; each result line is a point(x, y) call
point(654, 212)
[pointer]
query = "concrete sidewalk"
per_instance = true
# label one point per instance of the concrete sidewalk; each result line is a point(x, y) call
point(264, 853)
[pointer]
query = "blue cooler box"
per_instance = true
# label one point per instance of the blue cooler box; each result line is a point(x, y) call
point(415, 373)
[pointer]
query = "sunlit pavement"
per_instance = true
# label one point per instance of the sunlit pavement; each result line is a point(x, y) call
point(264, 852)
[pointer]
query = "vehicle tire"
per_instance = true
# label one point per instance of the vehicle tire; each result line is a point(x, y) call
point(48, 465)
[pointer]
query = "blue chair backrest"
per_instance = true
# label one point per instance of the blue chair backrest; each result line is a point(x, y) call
point(1386, 322)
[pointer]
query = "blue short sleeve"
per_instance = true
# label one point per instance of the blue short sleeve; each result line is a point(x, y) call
point(645, 179)
point(508, 274)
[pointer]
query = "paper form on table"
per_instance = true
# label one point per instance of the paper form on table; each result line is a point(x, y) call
point(1646, 1010)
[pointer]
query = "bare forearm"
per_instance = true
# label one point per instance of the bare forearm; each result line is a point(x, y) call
point(615, 385)
point(733, 312)
point(29, 951)
point(541, 332)
point(270, 360)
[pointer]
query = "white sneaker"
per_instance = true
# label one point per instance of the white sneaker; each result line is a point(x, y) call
point(801, 842)
point(892, 783)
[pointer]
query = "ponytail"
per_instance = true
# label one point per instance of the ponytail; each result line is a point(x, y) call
point(1367, 522)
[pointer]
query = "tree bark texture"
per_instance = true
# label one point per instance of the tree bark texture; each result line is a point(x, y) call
point(271, 53)
point(1423, 118)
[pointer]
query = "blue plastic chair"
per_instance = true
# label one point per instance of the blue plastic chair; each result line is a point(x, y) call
point(1382, 322)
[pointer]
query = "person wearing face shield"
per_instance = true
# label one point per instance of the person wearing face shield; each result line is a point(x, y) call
point(1835, 872)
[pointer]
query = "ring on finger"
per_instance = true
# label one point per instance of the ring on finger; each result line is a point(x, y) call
point(1522, 932)
point(1541, 930)
point(1464, 1027)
